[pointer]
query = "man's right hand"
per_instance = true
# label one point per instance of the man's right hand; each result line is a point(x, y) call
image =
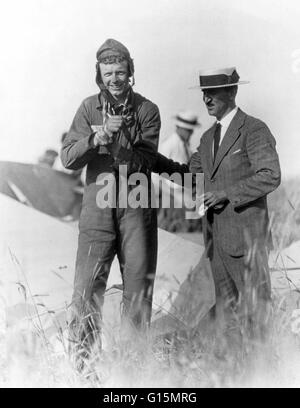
point(113, 124)
point(101, 138)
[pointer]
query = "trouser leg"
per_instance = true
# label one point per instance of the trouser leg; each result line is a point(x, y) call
point(225, 312)
point(96, 249)
point(257, 294)
point(137, 253)
point(242, 292)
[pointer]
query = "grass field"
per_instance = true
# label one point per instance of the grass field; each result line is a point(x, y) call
point(188, 358)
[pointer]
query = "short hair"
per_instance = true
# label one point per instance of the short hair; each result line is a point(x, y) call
point(112, 59)
point(51, 152)
point(232, 89)
point(63, 136)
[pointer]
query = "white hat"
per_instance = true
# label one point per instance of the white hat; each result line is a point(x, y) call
point(186, 120)
point(219, 78)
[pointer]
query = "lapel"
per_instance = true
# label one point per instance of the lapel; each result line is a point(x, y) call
point(208, 157)
point(231, 135)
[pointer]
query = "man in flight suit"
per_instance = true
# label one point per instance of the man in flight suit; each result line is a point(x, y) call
point(114, 127)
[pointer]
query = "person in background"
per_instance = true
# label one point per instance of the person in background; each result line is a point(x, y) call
point(177, 147)
point(48, 158)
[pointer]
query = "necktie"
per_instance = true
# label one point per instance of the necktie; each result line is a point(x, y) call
point(187, 152)
point(217, 136)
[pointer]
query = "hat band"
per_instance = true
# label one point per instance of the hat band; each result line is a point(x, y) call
point(219, 80)
point(188, 122)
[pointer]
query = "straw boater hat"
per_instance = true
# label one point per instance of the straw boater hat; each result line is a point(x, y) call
point(186, 120)
point(219, 78)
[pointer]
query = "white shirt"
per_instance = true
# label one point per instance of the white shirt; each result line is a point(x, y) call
point(173, 148)
point(225, 122)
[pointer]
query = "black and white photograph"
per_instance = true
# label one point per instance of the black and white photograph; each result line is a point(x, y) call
point(150, 196)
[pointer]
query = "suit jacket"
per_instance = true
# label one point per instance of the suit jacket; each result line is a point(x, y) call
point(247, 168)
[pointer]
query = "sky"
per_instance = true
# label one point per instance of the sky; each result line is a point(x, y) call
point(47, 63)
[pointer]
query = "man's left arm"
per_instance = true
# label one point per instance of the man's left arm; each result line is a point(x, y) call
point(261, 151)
point(141, 157)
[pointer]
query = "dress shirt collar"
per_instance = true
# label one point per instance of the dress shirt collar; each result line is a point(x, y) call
point(225, 121)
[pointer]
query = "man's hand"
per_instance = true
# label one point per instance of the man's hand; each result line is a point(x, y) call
point(113, 124)
point(216, 199)
point(101, 138)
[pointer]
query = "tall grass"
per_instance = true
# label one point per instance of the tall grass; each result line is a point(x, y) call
point(186, 358)
point(33, 356)
point(284, 205)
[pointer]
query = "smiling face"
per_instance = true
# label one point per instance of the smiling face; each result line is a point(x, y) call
point(115, 77)
point(219, 101)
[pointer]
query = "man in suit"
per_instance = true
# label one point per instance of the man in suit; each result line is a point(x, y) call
point(238, 159)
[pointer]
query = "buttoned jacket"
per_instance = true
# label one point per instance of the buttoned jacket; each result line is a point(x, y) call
point(247, 168)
